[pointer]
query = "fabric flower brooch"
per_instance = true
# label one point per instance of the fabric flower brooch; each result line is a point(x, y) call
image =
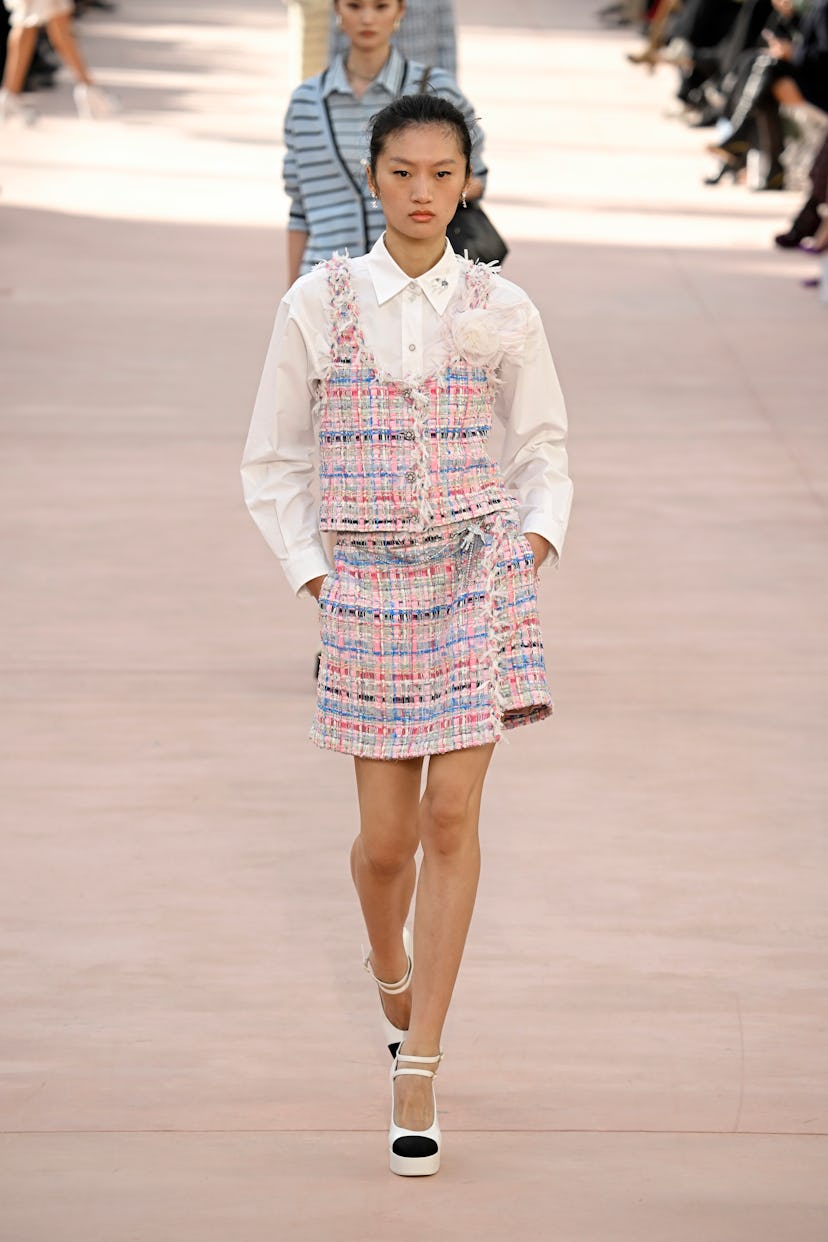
point(482, 337)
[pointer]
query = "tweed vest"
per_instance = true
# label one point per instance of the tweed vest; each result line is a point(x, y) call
point(401, 454)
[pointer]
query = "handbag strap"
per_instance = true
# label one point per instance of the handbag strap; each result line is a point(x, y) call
point(421, 89)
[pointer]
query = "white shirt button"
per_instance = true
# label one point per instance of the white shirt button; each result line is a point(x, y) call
point(412, 348)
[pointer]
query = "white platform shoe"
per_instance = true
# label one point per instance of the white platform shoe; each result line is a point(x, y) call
point(93, 103)
point(393, 1035)
point(414, 1153)
point(13, 108)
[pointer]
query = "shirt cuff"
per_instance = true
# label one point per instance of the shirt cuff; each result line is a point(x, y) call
point(301, 569)
point(539, 523)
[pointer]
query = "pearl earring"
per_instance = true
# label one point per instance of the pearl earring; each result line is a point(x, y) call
point(338, 21)
point(374, 200)
point(397, 24)
point(463, 199)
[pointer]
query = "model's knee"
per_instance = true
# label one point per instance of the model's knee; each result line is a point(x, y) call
point(386, 855)
point(447, 826)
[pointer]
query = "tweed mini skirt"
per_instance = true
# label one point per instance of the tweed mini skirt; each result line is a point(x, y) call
point(430, 642)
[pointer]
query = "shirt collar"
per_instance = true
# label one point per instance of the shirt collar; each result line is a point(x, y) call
point(389, 78)
point(335, 79)
point(388, 279)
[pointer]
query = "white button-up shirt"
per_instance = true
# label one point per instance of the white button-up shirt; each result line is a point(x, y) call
point(404, 324)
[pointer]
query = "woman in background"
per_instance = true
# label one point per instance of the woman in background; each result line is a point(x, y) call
point(26, 19)
point(331, 207)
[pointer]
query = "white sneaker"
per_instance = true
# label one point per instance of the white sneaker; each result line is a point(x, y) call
point(12, 107)
point(93, 103)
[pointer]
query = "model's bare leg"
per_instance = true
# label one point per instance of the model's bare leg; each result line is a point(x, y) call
point(449, 817)
point(59, 30)
point(383, 866)
point(19, 52)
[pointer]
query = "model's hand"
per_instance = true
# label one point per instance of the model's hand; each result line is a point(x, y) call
point(540, 547)
point(315, 586)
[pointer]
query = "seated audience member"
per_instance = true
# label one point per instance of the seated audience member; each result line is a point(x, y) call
point(793, 71)
point(810, 225)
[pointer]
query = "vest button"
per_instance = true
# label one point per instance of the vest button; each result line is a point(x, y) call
point(411, 475)
point(408, 435)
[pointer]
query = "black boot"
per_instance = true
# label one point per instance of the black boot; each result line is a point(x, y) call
point(805, 225)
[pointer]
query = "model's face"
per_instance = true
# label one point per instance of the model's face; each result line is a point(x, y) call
point(420, 175)
point(369, 24)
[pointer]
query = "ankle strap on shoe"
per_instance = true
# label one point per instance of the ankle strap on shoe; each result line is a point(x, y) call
point(390, 989)
point(397, 1072)
point(406, 1056)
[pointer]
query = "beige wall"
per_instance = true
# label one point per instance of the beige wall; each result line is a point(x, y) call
point(308, 27)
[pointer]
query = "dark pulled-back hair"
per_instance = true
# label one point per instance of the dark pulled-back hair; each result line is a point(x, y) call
point(406, 111)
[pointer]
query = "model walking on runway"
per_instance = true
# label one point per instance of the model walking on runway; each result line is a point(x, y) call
point(388, 369)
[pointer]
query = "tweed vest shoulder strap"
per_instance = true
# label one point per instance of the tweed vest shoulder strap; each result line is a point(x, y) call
point(347, 342)
point(478, 285)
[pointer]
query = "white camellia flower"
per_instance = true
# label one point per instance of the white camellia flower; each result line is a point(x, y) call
point(482, 336)
point(475, 337)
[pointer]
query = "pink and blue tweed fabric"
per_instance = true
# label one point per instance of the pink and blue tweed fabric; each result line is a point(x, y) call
point(429, 642)
point(430, 634)
point(396, 454)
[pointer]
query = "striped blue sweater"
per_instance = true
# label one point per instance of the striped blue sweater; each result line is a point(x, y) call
point(325, 132)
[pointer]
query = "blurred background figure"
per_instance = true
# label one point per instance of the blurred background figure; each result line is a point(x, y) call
point(44, 63)
point(657, 21)
point(625, 13)
point(791, 70)
point(428, 35)
point(757, 70)
point(709, 55)
point(308, 37)
point(26, 20)
point(326, 128)
point(809, 228)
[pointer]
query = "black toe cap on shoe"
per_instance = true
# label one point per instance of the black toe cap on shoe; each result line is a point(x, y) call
point(414, 1146)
